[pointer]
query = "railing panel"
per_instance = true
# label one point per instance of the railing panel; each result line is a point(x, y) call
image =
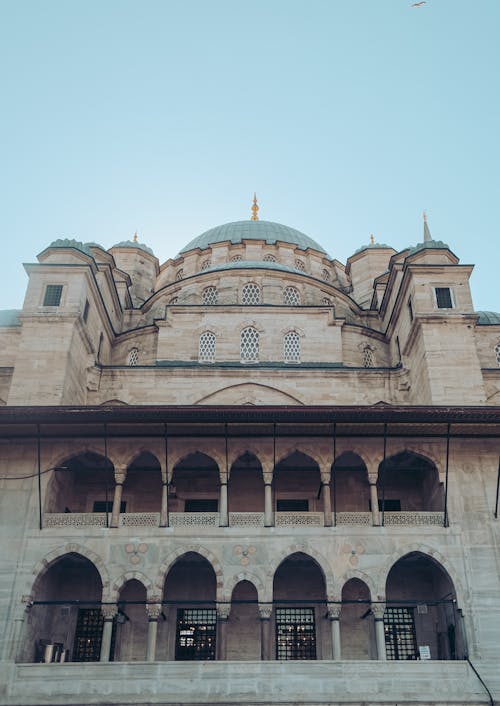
point(246, 519)
point(75, 519)
point(354, 518)
point(194, 519)
point(299, 519)
point(140, 519)
point(413, 518)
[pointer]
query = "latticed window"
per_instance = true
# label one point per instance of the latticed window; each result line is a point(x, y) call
point(249, 345)
point(291, 296)
point(368, 358)
point(179, 275)
point(174, 300)
point(400, 634)
point(133, 356)
point(52, 295)
point(205, 265)
point(210, 295)
point(325, 276)
point(236, 258)
point(295, 633)
point(196, 634)
point(269, 258)
point(291, 347)
point(497, 353)
point(207, 347)
point(326, 301)
point(250, 294)
point(299, 265)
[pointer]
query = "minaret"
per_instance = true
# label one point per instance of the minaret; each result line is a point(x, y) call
point(255, 209)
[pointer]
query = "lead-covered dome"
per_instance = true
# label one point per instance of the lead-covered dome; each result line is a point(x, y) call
point(253, 230)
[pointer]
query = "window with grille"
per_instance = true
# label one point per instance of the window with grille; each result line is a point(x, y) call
point(326, 301)
point(249, 345)
point(210, 295)
point(325, 276)
point(443, 298)
point(368, 358)
point(295, 633)
point(250, 294)
point(179, 275)
point(236, 258)
point(269, 258)
point(400, 635)
point(88, 636)
point(133, 356)
point(291, 347)
point(53, 293)
point(205, 265)
point(174, 300)
point(207, 347)
point(497, 353)
point(291, 296)
point(196, 634)
point(299, 265)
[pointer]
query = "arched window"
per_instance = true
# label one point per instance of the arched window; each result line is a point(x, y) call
point(133, 356)
point(269, 258)
point(174, 300)
point(236, 258)
point(368, 357)
point(207, 348)
point(326, 301)
point(250, 294)
point(325, 276)
point(210, 295)
point(179, 275)
point(249, 345)
point(291, 347)
point(299, 265)
point(291, 296)
point(205, 265)
point(497, 353)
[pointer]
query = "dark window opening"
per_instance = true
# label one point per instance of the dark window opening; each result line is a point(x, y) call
point(400, 634)
point(86, 310)
point(88, 636)
point(201, 505)
point(53, 293)
point(295, 633)
point(388, 505)
point(196, 634)
point(443, 298)
point(410, 309)
point(292, 505)
point(107, 506)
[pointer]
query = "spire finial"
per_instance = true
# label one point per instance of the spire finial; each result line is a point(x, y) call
point(425, 216)
point(427, 233)
point(372, 239)
point(255, 209)
point(136, 239)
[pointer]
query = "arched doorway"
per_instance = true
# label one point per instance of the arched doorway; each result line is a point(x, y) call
point(66, 622)
point(131, 623)
point(421, 620)
point(243, 628)
point(299, 598)
point(190, 629)
point(357, 634)
point(84, 483)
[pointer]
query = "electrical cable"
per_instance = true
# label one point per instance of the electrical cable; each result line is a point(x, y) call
point(34, 475)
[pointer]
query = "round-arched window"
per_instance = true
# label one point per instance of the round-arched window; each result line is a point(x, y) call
point(291, 347)
point(133, 356)
point(205, 265)
point(368, 358)
point(250, 294)
point(269, 258)
point(325, 276)
point(299, 265)
point(207, 348)
point(236, 258)
point(210, 295)
point(179, 275)
point(249, 345)
point(291, 296)
point(497, 353)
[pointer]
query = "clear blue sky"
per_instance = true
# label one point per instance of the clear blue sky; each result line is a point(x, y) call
point(347, 117)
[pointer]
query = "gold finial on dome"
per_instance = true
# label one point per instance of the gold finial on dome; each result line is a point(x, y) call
point(255, 209)
point(136, 239)
point(372, 239)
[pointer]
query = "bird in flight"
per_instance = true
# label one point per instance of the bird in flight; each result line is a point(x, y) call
point(418, 4)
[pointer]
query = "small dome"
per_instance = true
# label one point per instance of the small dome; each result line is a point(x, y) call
point(437, 244)
point(10, 317)
point(253, 230)
point(71, 243)
point(488, 318)
point(132, 244)
point(374, 246)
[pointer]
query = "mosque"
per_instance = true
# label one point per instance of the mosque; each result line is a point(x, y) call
point(250, 474)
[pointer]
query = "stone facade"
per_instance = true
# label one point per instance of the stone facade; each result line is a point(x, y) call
point(249, 455)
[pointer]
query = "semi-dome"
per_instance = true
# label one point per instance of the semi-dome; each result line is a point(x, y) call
point(253, 230)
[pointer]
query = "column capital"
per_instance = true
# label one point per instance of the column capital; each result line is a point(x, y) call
point(265, 611)
point(120, 476)
point(378, 610)
point(109, 611)
point(223, 611)
point(334, 610)
point(268, 477)
point(372, 478)
point(153, 610)
point(325, 478)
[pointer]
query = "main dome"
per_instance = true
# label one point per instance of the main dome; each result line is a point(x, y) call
point(253, 230)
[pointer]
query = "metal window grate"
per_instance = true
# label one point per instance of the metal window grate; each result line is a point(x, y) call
point(269, 258)
point(291, 296)
point(207, 347)
point(210, 295)
point(368, 358)
point(443, 298)
point(179, 275)
point(236, 258)
point(53, 293)
point(299, 265)
point(250, 294)
point(249, 345)
point(295, 633)
point(400, 635)
point(291, 347)
point(88, 636)
point(205, 265)
point(133, 357)
point(196, 634)
point(325, 276)
point(497, 354)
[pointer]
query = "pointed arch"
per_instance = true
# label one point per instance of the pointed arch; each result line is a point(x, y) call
point(361, 576)
point(310, 552)
point(51, 558)
point(120, 582)
point(252, 578)
point(177, 554)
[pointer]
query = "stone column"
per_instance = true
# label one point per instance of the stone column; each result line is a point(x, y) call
point(223, 610)
point(327, 500)
point(268, 499)
point(164, 504)
point(334, 616)
point(265, 612)
point(153, 611)
point(223, 514)
point(372, 479)
point(120, 476)
point(378, 610)
point(109, 612)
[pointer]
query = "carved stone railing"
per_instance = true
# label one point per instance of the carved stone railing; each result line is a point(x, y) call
point(75, 519)
point(194, 519)
point(299, 519)
point(354, 518)
point(246, 519)
point(413, 518)
point(140, 519)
